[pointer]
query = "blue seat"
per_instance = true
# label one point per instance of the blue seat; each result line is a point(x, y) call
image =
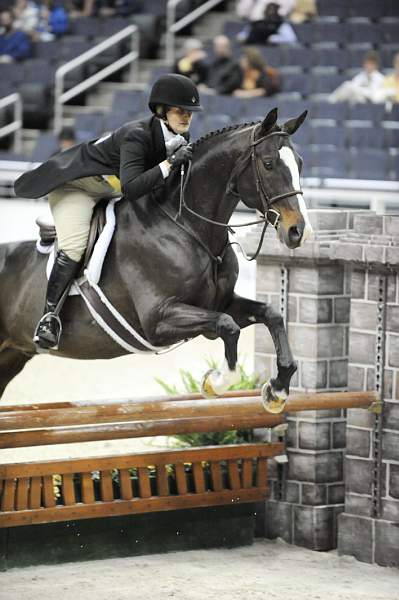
point(217, 121)
point(116, 119)
point(38, 70)
point(110, 26)
point(330, 57)
point(157, 72)
point(390, 33)
point(329, 162)
point(128, 101)
point(257, 107)
point(370, 164)
point(387, 53)
point(320, 109)
point(328, 135)
point(367, 112)
point(333, 8)
point(365, 136)
point(232, 28)
point(330, 32)
point(367, 8)
point(230, 105)
point(364, 33)
point(197, 127)
point(325, 83)
point(46, 145)
point(391, 137)
point(276, 56)
point(298, 56)
point(306, 33)
point(88, 27)
point(287, 109)
point(296, 82)
point(396, 168)
point(89, 126)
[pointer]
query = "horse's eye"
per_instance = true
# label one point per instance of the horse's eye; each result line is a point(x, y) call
point(268, 165)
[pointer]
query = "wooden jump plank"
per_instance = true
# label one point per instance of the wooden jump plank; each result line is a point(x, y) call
point(207, 453)
point(125, 484)
point(21, 502)
point(144, 482)
point(107, 492)
point(35, 492)
point(199, 479)
point(68, 489)
point(247, 473)
point(87, 488)
point(8, 498)
point(48, 491)
point(234, 475)
point(162, 481)
point(216, 476)
point(135, 506)
point(133, 429)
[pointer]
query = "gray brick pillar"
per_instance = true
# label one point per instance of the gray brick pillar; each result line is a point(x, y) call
point(369, 527)
point(308, 492)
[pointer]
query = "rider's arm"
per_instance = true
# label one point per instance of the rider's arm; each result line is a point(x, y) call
point(136, 180)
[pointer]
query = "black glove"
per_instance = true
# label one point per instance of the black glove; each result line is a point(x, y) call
point(181, 157)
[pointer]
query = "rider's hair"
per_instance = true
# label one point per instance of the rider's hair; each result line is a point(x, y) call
point(161, 110)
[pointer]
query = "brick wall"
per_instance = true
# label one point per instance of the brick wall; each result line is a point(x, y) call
point(332, 315)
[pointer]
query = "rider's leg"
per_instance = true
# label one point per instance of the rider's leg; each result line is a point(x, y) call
point(72, 208)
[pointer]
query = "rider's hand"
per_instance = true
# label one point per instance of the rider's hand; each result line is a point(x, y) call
point(181, 157)
point(174, 144)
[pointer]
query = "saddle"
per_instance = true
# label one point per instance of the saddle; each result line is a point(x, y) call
point(48, 235)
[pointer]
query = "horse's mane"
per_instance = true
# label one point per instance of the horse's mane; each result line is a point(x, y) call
point(213, 134)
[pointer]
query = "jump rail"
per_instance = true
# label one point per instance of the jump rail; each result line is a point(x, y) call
point(81, 488)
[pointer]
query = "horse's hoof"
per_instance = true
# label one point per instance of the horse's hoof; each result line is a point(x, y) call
point(272, 403)
point(206, 386)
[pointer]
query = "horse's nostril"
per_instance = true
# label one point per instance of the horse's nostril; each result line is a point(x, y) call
point(295, 234)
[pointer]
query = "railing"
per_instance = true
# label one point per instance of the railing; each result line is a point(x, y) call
point(15, 126)
point(173, 27)
point(61, 96)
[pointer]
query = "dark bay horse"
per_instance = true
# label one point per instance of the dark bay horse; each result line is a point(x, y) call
point(173, 280)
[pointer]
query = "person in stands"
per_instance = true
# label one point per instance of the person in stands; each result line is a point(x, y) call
point(390, 85)
point(14, 44)
point(66, 138)
point(224, 72)
point(140, 153)
point(192, 63)
point(271, 29)
point(258, 79)
point(364, 87)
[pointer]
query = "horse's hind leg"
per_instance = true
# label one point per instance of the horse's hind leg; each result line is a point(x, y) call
point(11, 363)
point(248, 312)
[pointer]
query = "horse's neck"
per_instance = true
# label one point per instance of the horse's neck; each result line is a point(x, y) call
point(206, 190)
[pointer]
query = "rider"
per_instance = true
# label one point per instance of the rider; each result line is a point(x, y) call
point(140, 153)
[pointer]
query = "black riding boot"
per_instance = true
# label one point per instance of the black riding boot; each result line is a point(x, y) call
point(49, 329)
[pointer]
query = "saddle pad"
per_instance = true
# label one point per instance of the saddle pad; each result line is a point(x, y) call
point(96, 261)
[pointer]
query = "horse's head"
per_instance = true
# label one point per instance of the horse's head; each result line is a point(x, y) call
point(274, 166)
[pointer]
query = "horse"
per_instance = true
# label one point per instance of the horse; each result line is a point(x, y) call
point(170, 269)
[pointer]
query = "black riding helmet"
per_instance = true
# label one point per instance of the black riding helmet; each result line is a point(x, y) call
point(174, 90)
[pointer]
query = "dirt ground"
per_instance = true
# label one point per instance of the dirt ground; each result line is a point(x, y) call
point(265, 571)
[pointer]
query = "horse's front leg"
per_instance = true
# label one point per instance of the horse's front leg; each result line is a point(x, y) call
point(248, 312)
point(179, 321)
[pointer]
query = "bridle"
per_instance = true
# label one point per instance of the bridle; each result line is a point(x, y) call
point(270, 215)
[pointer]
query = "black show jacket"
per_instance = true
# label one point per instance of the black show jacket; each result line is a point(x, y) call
point(132, 153)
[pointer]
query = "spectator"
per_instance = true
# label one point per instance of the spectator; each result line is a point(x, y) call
point(14, 44)
point(224, 73)
point(390, 85)
point(272, 28)
point(304, 10)
point(192, 63)
point(258, 78)
point(42, 21)
point(364, 87)
point(66, 138)
point(254, 10)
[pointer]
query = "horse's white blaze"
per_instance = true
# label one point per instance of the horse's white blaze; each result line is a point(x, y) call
point(288, 158)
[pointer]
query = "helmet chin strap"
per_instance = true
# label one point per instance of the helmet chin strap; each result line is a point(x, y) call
point(165, 120)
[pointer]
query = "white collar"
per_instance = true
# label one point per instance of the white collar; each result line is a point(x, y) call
point(167, 134)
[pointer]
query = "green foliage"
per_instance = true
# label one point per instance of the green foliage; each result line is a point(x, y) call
point(190, 385)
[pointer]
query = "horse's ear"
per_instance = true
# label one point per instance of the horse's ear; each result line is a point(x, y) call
point(268, 122)
point(293, 124)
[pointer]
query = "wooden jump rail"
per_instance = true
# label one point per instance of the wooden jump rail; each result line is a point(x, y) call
point(60, 490)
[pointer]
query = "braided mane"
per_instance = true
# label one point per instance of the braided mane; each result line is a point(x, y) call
point(217, 132)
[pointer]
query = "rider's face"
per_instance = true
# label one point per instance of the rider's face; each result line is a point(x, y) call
point(179, 119)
